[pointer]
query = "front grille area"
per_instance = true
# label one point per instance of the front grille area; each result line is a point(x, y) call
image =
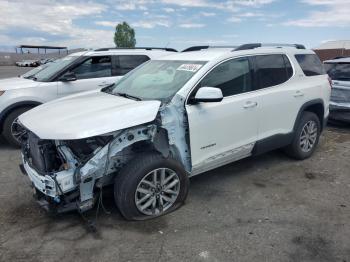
point(340, 95)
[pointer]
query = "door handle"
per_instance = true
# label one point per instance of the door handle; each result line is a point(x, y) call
point(250, 104)
point(298, 94)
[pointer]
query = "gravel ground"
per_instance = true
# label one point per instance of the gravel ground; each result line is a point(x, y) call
point(266, 208)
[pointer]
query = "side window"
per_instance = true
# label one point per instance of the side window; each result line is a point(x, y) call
point(94, 67)
point(232, 77)
point(272, 70)
point(125, 63)
point(310, 64)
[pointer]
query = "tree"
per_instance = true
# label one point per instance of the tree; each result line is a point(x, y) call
point(124, 35)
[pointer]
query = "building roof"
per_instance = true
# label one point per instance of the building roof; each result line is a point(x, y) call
point(42, 47)
point(339, 44)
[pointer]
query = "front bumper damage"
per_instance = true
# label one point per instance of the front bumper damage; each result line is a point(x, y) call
point(75, 182)
point(53, 192)
point(75, 185)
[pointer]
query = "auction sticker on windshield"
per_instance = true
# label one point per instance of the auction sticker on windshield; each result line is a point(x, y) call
point(189, 67)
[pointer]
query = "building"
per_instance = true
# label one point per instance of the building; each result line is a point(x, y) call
point(333, 49)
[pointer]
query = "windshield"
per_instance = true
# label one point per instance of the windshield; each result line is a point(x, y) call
point(48, 72)
point(157, 80)
point(31, 73)
point(339, 71)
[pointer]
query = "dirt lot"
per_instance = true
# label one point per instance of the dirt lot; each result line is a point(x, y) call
point(266, 208)
point(13, 71)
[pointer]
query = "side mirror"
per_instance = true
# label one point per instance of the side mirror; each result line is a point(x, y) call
point(208, 94)
point(70, 76)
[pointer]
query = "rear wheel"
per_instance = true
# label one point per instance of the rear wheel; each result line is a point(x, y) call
point(306, 137)
point(150, 186)
point(13, 131)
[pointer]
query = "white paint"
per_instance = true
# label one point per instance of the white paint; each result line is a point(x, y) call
point(86, 115)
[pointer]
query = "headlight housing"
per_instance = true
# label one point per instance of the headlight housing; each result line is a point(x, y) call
point(1, 92)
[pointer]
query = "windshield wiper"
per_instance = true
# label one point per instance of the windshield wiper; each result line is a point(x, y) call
point(107, 89)
point(128, 96)
point(31, 77)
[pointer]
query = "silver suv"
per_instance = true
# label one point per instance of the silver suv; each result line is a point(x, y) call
point(339, 71)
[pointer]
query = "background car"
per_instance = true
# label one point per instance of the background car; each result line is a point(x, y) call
point(72, 74)
point(27, 63)
point(339, 72)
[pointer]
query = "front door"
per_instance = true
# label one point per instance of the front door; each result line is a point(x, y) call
point(94, 73)
point(221, 132)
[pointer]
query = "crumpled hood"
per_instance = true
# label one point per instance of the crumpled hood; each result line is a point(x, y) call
point(87, 114)
point(16, 83)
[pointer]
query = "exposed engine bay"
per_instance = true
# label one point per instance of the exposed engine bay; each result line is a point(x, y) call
point(67, 174)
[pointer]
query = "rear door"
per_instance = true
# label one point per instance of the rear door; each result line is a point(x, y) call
point(93, 73)
point(278, 96)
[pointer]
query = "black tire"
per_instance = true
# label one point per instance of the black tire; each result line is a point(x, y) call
point(130, 176)
point(294, 150)
point(7, 131)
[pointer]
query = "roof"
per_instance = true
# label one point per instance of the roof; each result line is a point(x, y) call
point(213, 54)
point(339, 44)
point(154, 53)
point(205, 55)
point(339, 60)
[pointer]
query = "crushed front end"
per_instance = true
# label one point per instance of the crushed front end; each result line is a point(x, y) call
point(67, 174)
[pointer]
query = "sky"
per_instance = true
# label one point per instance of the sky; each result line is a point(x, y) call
point(173, 23)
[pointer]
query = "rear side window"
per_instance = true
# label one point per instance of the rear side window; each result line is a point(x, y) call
point(310, 64)
point(125, 63)
point(272, 70)
point(339, 71)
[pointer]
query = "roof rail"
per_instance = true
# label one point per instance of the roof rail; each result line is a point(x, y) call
point(256, 45)
point(127, 48)
point(201, 47)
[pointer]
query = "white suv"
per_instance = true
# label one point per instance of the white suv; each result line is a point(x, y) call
point(170, 119)
point(75, 73)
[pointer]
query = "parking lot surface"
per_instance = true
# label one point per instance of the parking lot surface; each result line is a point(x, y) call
point(13, 71)
point(265, 208)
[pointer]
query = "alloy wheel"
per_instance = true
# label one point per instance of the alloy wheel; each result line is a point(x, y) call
point(308, 136)
point(17, 130)
point(157, 191)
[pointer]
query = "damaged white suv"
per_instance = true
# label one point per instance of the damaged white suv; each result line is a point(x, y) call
point(170, 119)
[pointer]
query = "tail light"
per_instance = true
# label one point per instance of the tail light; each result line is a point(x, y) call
point(330, 81)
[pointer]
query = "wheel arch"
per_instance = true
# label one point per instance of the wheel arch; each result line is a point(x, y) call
point(15, 106)
point(315, 106)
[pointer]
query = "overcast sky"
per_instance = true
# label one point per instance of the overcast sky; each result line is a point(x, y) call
point(174, 23)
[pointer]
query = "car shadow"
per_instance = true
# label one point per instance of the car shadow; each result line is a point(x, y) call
point(5, 145)
point(339, 126)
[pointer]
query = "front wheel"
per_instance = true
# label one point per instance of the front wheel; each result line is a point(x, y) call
point(13, 131)
point(150, 186)
point(306, 137)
